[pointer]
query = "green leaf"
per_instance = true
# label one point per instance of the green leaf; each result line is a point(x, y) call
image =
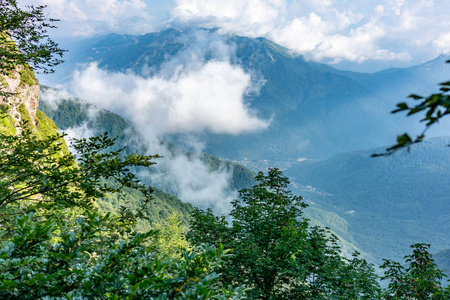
point(415, 97)
point(404, 139)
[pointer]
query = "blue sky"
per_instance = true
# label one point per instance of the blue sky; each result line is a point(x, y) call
point(361, 35)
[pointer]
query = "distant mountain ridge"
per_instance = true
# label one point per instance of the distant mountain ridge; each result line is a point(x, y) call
point(317, 110)
point(388, 202)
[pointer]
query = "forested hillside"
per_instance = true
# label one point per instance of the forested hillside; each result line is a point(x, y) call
point(393, 200)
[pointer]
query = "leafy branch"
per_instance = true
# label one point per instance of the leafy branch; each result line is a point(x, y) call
point(435, 106)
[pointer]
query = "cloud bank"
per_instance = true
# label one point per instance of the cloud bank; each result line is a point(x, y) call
point(325, 30)
point(210, 98)
point(330, 30)
point(199, 90)
point(88, 18)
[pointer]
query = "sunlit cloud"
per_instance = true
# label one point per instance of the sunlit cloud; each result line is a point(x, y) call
point(327, 30)
point(442, 43)
point(208, 99)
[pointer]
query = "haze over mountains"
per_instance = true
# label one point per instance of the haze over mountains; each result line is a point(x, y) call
point(314, 110)
point(255, 100)
point(389, 202)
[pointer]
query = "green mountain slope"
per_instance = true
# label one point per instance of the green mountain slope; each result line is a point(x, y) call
point(389, 202)
point(442, 259)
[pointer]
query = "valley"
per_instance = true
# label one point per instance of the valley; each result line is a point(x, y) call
point(224, 151)
point(317, 115)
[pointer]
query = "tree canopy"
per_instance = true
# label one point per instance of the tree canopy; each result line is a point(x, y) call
point(276, 253)
point(24, 39)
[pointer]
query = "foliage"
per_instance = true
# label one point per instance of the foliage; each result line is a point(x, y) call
point(274, 251)
point(80, 266)
point(24, 39)
point(435, 106)
point(36, 175)
point(421, 279)
point(54, 243)
point(170, 241)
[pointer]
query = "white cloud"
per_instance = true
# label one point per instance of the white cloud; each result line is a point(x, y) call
point(189, 95)
point(301, 34)
point(442, 43)
point(320, 29)
point(251, 17)
point(87, 18)
point(53, 97)
point(80, 132)
point(328, 30)
point(194, 182)
point(394, 30)
point(359, 45)
point(208, 99)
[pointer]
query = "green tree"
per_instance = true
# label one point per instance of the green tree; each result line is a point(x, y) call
point(24, 39)
point(32, 266)
point(274, 251)
point(37, 175)
point(170, 241)
point(420, 280)
point(54, 243)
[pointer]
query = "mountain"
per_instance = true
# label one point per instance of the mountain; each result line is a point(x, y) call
point(397, 83)
point(21, 90)
point(316, 110)
point(442, 259)
point(388, 202)
point(69, 112)
point(319, 115)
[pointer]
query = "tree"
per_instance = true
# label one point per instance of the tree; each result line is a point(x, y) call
point(33, 266)
point(170, 241)
point(54, 243)
point(420, 280)
point(435, 106)
point(24, 39)
point(24, 42)
point(274, 251)
point(37, 175)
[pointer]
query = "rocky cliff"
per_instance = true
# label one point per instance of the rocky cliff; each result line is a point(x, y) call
point(23, 96)
point(20, 97)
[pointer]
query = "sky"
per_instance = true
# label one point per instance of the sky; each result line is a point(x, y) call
point(360, 35)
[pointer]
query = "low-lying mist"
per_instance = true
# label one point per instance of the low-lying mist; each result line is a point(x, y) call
point(198, 90)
